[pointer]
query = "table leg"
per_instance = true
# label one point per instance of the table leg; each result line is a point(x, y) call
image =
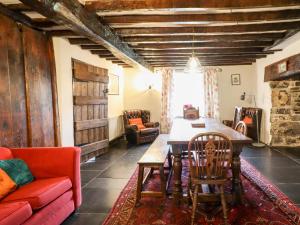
point(236, 171)
point(177, 166)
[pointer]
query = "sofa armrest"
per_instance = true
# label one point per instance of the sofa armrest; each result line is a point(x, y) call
point(54, 162)
point(131, 128)
point(152, 124)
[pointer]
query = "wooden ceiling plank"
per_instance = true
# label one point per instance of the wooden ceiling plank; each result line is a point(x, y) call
point(19, 7)
point(78, 19)
point(200, 38)
point(205, 56)
point(256, 28)
point(280, 40)
point(143, 20)
point(81, 41)
point(93, 47)
point(208, 51)
point(203, 60)
point(175, 5)
point(203, 45)
point(19, 17)
point(101, 51)
point(62, 33)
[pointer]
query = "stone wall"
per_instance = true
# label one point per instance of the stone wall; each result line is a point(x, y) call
point(285, 113)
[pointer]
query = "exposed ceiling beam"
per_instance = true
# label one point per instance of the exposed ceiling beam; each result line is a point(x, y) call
point(79, 41)
point(207, 51)
point(93, 47)
point(206, 64)
point(102, 52)
point(255, 28)
point(206, 56)
point(19, 7)
point(199, 38)
point(78, 19)
point(204, 45)
point(176, 5)
point(279, 41)
point(19, 17)
point(62, 33)
point(159, 20)
point(149, 59)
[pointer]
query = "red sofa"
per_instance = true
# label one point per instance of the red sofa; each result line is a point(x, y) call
point(52, 196)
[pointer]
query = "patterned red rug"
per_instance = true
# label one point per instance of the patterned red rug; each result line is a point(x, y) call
point(264, 205)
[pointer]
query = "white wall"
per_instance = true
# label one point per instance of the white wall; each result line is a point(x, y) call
point(290, 47)
point(229, 95)
point(64, 52)
point(137, 94)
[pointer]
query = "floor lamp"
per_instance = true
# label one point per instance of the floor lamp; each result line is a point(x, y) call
point(257, 144)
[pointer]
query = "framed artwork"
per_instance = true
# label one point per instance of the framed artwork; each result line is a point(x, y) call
point(113, 84)
point(235, 79)
point(282, 67)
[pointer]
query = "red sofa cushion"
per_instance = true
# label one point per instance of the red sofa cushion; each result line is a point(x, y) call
point(40, 192)
point(5, 153)
point(14, 213)
point(55, 212)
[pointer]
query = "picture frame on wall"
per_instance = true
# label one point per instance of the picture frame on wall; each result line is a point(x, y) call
point(235, 79)
point(113, 84)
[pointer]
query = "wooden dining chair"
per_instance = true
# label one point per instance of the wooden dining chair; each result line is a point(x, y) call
point(209, 156)
point(241, 127)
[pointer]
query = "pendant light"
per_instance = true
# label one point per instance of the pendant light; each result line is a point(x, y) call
point(193, 64)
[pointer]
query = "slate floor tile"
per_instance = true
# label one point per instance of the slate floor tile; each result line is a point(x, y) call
point(88, 175)
point(98, 200)
point(85, 219)
point(292, 190)
point(107, 183)
point(103, 178)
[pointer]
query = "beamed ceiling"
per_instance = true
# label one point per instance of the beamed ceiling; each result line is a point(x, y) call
point(164, 33)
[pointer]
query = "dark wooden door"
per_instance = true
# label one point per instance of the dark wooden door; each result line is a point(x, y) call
point(28, 101)
point(90, 109)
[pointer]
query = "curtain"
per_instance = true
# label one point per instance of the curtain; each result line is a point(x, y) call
point(166, 100)
point(211, 98)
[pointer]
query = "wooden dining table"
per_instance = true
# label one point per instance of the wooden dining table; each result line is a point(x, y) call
point(182, 132)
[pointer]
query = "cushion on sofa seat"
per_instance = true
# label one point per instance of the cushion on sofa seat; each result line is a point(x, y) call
point(18, 170)
point(5, 153)
point(148, 130)
point(7, 185)
point(40, 192)
point(14, 213)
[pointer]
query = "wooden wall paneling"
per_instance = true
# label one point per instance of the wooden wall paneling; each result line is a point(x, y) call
point(90, 105)
point(13, 124)
point(56, 121)
point(38, 88)
point(28, 96)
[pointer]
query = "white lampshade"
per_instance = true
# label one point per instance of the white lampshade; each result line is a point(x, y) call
point(193, 65)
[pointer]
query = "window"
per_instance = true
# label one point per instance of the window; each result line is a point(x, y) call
point(188, 89)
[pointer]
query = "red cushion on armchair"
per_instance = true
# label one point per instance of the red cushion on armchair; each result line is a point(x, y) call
point(138, 122)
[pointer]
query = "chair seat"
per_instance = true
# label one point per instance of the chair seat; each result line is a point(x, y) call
point(40, 192)
point(149, 130)
point(14, 213)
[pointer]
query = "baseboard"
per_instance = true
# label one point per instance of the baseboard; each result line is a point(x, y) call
point(116, 139)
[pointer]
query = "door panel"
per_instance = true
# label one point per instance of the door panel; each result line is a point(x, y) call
point(90, 109)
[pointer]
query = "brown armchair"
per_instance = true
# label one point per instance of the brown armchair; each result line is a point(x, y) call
point(144, 135)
